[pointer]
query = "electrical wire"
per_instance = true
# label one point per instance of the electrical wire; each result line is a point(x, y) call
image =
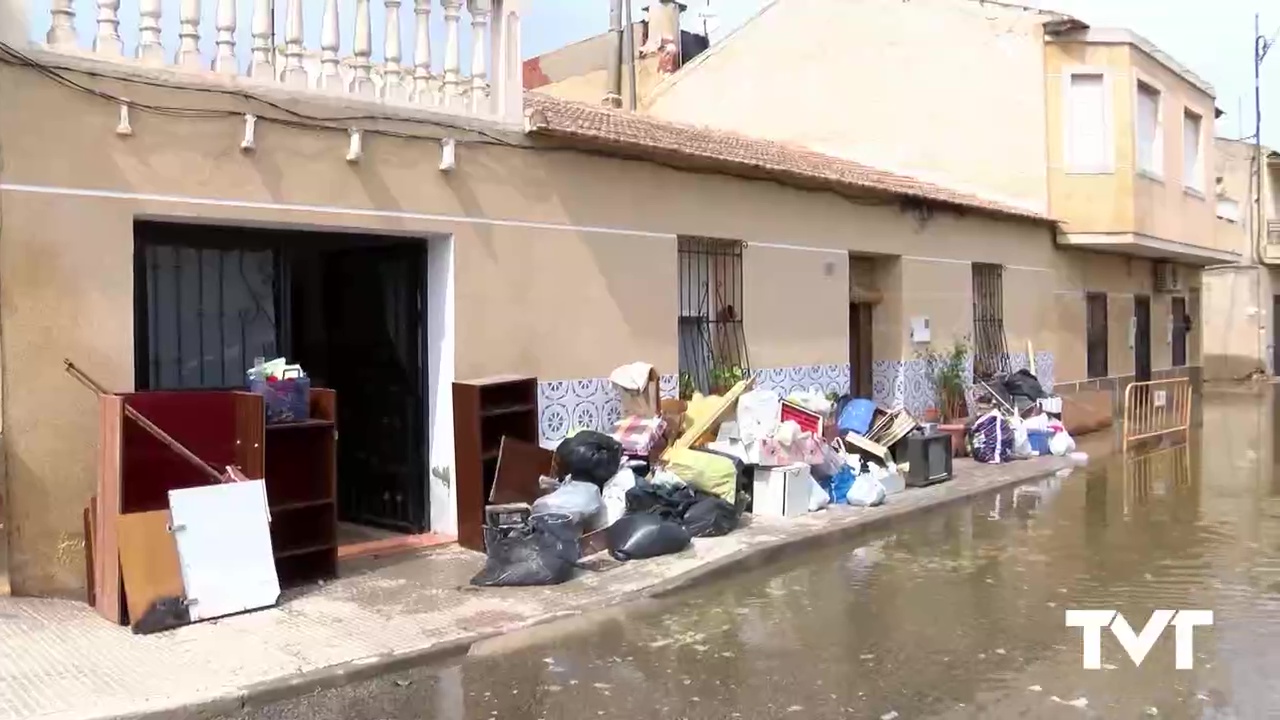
point(342, 123)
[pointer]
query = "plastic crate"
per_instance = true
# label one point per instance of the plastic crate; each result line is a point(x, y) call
point(286, 400)
point(1040, 441)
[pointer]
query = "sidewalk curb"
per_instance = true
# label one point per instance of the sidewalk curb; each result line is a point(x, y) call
point(737, 562)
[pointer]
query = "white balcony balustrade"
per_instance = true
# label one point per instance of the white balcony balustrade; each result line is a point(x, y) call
point(488, 84)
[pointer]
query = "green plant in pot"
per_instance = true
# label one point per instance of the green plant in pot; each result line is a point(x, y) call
point(724, 377)
point(948, 370)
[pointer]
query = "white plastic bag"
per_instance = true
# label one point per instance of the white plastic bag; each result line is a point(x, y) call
point(813, 400)
point(579, 500)
point(888, 477)
point(1021, 441)
point(758, 413)
point(866, 492)
point(1061, 443)
point(615, 495)
point(818, 497)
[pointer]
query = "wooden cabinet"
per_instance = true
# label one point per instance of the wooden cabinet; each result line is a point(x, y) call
point(137, 471)
point(485, 411)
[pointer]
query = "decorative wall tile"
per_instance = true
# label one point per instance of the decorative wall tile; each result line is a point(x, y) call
point(787, 380)
point(594, 404)
point(910, 383)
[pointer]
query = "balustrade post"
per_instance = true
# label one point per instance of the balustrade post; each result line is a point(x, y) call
point(188, 54)
point(393, 87)
point(224, 58)
point(62, 24)
point(295, 74)
point(330, 45)
point(423, 82)
point(362, 81)
point(508, 61)
point(452, 52)
point(261, 66)
point(107, 41)
point(480, 10)
point(150, 51)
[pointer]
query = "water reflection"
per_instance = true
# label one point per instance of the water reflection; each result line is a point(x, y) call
point(957, 613)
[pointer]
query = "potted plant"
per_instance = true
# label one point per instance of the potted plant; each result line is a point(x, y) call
point(724, 377)
point(948, 370)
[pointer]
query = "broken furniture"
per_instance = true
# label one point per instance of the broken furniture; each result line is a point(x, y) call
point(485, 411)
point(137, 471)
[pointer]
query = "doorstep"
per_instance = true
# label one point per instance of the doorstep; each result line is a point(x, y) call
point(61, 660)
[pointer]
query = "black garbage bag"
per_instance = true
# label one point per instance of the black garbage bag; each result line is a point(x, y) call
point(589, 456)
point(645, 535)
point(543, 552)
point(668, 501)
point(1025, 384)
point(711, 516)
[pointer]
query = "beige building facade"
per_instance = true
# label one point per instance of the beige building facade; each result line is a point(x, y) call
point(1033, 108)
point(546, 238)
point(1241, 296)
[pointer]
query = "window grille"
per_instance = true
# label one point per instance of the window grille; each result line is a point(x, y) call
point(713, 349)
point(990, 354)
point(209, 312)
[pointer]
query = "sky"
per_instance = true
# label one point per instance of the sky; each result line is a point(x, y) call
point(1212, 37)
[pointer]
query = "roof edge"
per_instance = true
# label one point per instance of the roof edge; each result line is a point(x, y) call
point(1125, 36)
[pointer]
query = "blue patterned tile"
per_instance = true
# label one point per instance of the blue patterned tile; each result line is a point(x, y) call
point(669, 386)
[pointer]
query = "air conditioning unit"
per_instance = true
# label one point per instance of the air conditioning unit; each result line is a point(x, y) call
point(1167, 278)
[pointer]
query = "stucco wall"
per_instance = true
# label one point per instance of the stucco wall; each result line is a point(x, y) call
point(1124, 199)
point(1239, 339)
point(964, 104)
point(1090, 202)
point(1121, 278)
point(558, 273)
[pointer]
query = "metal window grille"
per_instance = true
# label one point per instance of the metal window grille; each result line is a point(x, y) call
point(713, 348)
point(1096, 334)
point(209, 312)
point(990, 353)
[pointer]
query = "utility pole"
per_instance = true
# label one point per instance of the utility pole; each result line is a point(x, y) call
point(613, 96)
point(1260, 47)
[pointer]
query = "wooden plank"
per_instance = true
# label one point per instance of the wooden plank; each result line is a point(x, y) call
point(90, 525)
point(521, 465)
point(151, 571)
point(727, 403)
point(106, 551)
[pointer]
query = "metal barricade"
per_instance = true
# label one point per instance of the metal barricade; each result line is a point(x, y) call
point(1156, 408)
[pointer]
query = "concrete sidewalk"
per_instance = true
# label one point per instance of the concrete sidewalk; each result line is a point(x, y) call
point(60, 660)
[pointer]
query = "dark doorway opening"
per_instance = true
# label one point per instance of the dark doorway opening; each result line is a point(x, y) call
point(860, 350)
point(1181, 327)
point(347, 307)
point(1141, 338)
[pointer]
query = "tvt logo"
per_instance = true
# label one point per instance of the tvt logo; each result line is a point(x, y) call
point(1137, 645)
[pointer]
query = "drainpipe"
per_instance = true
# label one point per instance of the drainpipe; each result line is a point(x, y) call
point(613, 98)
point(629, 56)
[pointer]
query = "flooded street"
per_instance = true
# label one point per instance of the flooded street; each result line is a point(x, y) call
point(953, 613)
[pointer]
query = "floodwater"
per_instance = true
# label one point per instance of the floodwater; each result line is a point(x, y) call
point(957, 613)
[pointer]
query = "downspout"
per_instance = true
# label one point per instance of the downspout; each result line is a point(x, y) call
point(629, 56)
point(613, 97)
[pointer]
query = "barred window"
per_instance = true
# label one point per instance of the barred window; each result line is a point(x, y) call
point(713, 349)
point(990, 353)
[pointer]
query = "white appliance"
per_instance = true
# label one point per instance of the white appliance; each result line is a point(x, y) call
point(781, 491)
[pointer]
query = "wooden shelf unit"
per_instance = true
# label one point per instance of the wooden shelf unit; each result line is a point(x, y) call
point(484, 411)
point(297, 460)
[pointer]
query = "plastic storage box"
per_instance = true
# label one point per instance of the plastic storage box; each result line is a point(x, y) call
point(286, 400)
point(1040, 441)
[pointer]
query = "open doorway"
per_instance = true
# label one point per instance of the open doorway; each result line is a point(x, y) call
point(351, 309)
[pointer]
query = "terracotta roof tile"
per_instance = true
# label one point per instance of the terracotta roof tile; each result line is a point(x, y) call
point(732, 153)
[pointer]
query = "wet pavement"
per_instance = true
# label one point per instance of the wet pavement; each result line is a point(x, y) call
point(952, 613)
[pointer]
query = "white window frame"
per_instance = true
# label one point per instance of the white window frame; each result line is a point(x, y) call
point(1157, 150)
point(1109, 131)
point(1194, 184)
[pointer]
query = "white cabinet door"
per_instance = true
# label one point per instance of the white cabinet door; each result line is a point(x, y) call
point(223, 534)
